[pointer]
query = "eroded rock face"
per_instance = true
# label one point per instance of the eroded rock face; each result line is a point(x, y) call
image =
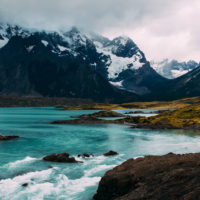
point(62, 157)
point(3, 138)
point(153, 177)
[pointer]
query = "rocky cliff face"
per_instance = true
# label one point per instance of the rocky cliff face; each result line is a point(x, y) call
point(153, 177)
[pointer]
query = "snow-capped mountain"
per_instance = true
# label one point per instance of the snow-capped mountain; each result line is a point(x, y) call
point(126, 65)
point(121, 54)
point(173, 69)
point(119, 61)
point(184, 86)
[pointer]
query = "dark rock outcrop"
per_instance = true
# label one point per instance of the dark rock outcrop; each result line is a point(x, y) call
point(62, 157)
point(85, 155)
point(153, 177)
point(92, 118)
point(85, 120)
point(131, 112)
point(110, 153)
point(104, 113)
point(3, 138)
point(135, 112)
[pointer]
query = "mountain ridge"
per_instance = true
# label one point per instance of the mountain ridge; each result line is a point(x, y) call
point(80, 65)
point(39, 72)
point(110, 58)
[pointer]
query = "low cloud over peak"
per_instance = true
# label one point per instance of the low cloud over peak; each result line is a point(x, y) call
point(162, 29)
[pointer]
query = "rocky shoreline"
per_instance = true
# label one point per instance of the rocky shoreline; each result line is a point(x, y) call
point(182, 118)
point(154, 178)
point(92, 118)
point(65, 157)
point(104, 113)
point(85, 120)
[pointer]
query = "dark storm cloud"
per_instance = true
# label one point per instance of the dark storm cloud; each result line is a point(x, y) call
point(163, 28)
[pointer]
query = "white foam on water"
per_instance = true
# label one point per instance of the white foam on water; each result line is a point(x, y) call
point(9, 188)
point(72, 187)
point(36, 191)
point(97, 169)
point(99, 159)
point(24, 161)
point(46, 184)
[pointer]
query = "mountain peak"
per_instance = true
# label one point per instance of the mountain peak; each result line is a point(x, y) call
point(122, 40)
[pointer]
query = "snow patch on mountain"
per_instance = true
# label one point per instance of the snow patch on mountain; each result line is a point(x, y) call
point(30, 48)
point(176, 73)
point(117, 84)
point(62, 48)
point(3, 42)
point(45, 43)
point(115, 64)
point(7, 31)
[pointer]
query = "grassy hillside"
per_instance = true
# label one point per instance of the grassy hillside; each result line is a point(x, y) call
point(187, 117)
point(139, 105)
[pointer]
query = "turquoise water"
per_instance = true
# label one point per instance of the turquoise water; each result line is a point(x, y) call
point(20, 160)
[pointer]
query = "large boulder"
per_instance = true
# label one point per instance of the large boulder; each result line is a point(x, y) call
point(154, 178)
point(62, 157)
point(110, 153)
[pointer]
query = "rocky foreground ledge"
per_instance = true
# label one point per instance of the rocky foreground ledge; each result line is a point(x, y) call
point(153, 177)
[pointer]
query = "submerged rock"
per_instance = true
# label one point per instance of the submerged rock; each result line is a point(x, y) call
point(153, 177)
point(62, 157)
point(2, 137)
point(110, 153)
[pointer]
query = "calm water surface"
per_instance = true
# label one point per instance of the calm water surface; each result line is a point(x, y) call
point(20, 160)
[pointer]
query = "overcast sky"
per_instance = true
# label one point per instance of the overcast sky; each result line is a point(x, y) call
point(161, 28)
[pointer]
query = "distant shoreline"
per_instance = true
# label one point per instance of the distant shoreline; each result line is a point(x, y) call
point(30, 101)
